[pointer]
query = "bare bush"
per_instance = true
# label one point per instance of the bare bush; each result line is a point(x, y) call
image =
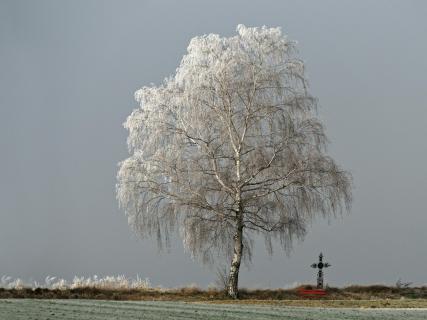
point(402, 285)
point(222, 278)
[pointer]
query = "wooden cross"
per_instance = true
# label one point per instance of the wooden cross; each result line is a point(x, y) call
point(320, 265)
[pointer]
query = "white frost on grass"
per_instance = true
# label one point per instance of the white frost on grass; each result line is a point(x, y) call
point(292, 285)
point(107, 282)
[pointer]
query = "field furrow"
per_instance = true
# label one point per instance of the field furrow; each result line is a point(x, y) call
point(31, 309)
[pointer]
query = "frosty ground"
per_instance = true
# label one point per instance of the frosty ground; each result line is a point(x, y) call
point(12, 309)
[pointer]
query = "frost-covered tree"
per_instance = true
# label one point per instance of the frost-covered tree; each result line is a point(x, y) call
point(230, 147)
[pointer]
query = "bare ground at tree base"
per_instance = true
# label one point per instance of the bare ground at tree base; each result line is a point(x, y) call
point(375, 296)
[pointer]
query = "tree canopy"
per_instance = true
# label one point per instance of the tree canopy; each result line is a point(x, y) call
point(228, 147)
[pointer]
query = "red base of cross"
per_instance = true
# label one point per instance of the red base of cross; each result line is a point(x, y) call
point(310, 292)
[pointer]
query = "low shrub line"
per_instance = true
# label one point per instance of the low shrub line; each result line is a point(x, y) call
point(373, 292)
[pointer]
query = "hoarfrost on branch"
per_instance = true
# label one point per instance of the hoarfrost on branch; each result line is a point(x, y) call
point(230, 145)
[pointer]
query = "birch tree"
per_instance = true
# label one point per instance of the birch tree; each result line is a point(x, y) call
point(230, 147)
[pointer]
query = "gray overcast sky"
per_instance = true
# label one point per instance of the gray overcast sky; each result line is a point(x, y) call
point(68, 71)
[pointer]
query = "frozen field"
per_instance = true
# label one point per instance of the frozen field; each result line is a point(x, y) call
point(106, 310)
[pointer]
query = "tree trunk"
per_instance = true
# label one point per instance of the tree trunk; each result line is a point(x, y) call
point(233, 279)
